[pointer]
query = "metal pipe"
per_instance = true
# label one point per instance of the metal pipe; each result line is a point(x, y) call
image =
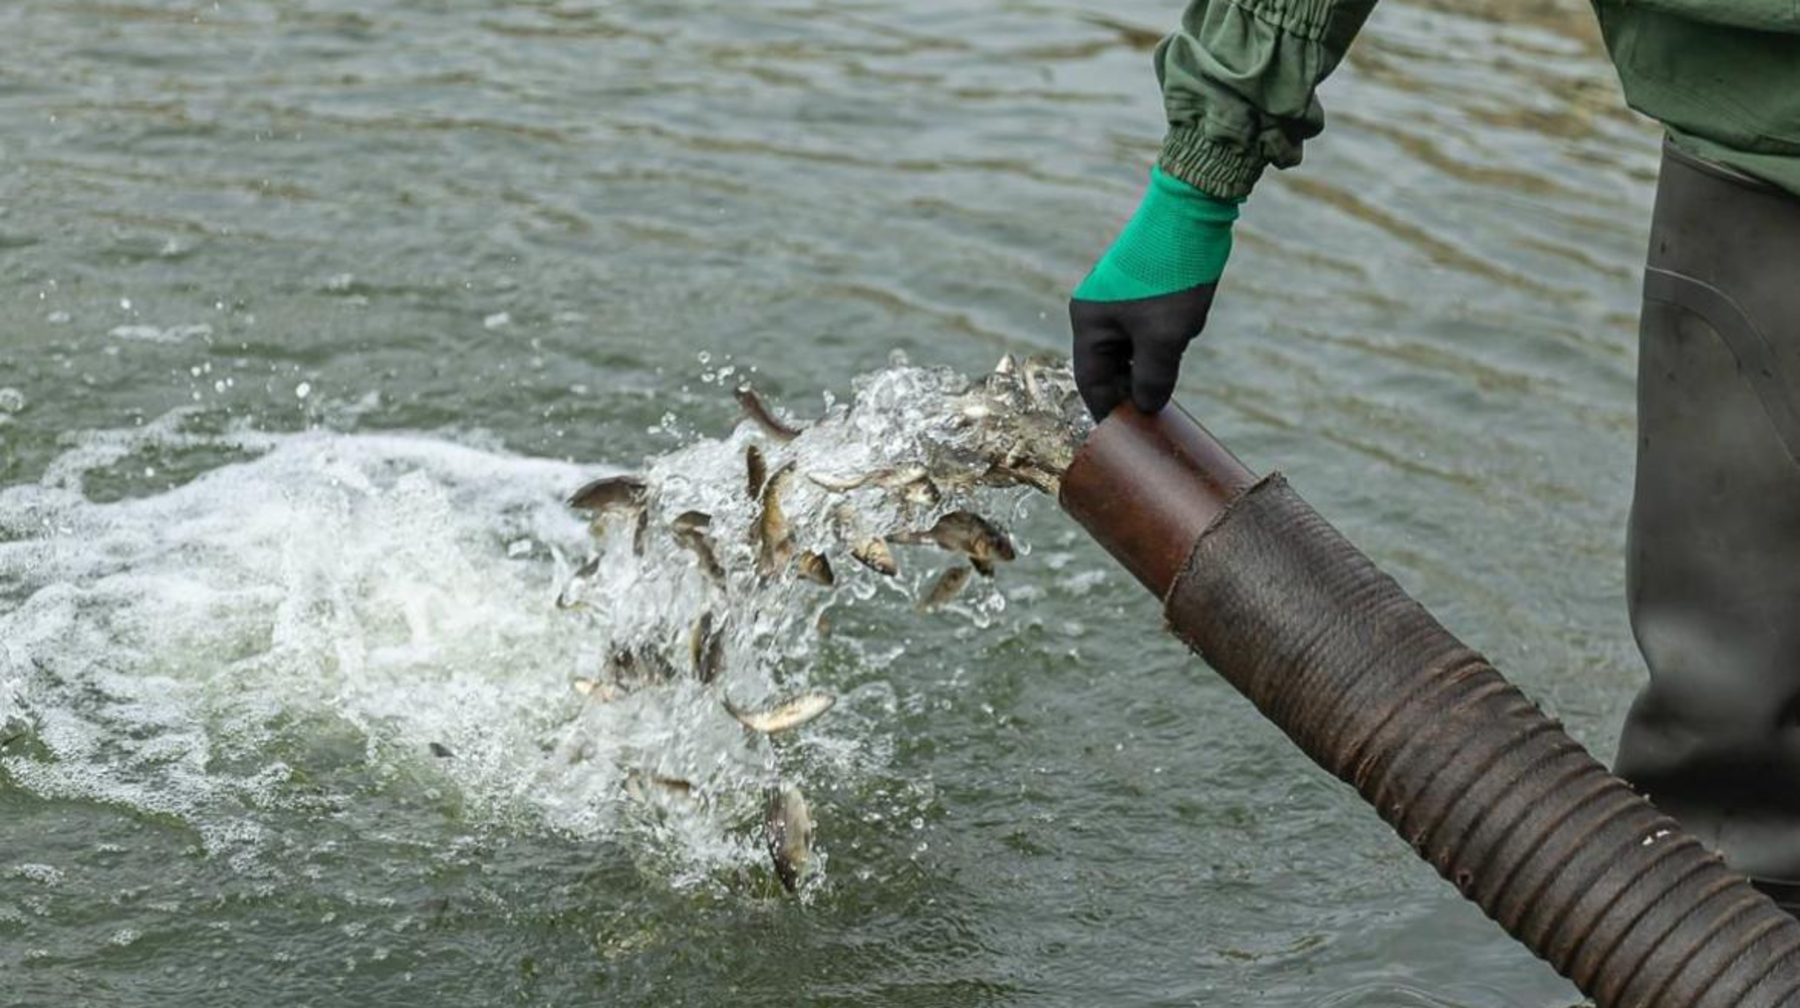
point(1494, 794)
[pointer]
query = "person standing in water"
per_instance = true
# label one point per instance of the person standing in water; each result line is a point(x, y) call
point(1713, 561)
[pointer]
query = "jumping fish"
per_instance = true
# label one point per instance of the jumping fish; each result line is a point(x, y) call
point(627, 670)
point(610, 493)
point(969, 534)
point(566, 599)
point(707, 648)
point(596, 690)
point(916, 487)
point(799, 709)
point(870, 551)
point(689, 529)
point(815, 568)
point(756, 470)
point(874, 554)
point(758, 411)
point(787, 833)
point(945, 588)
point(639, 784)
point(775, 537)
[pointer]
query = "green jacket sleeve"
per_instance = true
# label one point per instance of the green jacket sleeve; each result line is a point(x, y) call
point(1779, 16)
point(1238, 84)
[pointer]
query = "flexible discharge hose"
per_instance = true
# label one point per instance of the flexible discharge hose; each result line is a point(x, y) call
point(1494, 794)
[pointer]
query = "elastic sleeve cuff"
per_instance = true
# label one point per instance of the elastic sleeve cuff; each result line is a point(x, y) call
point(1209, 166)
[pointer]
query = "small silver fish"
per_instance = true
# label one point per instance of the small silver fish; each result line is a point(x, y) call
point(775, 538)
point(945, 588)
point(874, 554)
point(596, 690)
point(870, 551)
point(791, 713)
point(921, 492)
point(756, 410)
point(969, 534)
point(707, 649)
point(756, 470)
point(569, 598)
point(787, 833)
point(642, 785)
point(630, 669)
point(609, 493)
point(689, 529)
point(816, 568)
point(640, 533)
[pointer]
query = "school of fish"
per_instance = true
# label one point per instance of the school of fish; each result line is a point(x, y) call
point(857, 496)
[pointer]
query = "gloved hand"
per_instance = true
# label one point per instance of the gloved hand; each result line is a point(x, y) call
point(1148, 296)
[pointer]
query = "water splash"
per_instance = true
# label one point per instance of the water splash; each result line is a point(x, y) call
point(186, 653)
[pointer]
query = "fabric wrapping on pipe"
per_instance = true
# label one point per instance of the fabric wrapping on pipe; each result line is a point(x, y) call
point(1508, 808)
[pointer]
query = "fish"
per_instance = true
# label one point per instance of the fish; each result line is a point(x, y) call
point(815, 568)
point(775, 538)
point(870, 551)
point(756, 470)
point(758, 411)
point(791, 713)
point(566, 599)
point(441, 751)
point(969, 534)
point(596, 690)
point(945, 588)
point(627, 670)
point(610, 493)
point(914, 484)
point(787, 833)
point(638, 784)
point(874, 554)
point(921, 492)
point(689, 529)
point(640, 532)
point(707, 648)
point(845, 484)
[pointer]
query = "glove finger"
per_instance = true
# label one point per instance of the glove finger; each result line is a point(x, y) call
point(1102, 360)
point(1154, 370)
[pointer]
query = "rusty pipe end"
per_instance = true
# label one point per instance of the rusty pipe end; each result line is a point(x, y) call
point(1145, 485)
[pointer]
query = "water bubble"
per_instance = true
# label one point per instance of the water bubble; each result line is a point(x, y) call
point(302, 390)
point(12, 400)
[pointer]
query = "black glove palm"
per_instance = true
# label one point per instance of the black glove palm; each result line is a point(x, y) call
point(1132, 349)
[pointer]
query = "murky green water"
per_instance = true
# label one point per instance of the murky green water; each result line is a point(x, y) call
point(314, 309)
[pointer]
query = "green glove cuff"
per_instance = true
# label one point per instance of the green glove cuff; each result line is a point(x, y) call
point(1178, 239)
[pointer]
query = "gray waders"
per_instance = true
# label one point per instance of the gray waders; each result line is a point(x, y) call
point(1713, 564)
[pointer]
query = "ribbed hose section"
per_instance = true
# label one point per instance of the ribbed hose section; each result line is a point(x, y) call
point(1517, 815)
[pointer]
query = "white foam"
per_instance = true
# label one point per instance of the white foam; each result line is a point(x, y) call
point(158, 647)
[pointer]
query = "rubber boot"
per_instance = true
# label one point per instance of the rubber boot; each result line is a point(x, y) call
point(1713, 563)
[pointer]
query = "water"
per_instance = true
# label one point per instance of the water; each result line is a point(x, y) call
point(309, 315)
